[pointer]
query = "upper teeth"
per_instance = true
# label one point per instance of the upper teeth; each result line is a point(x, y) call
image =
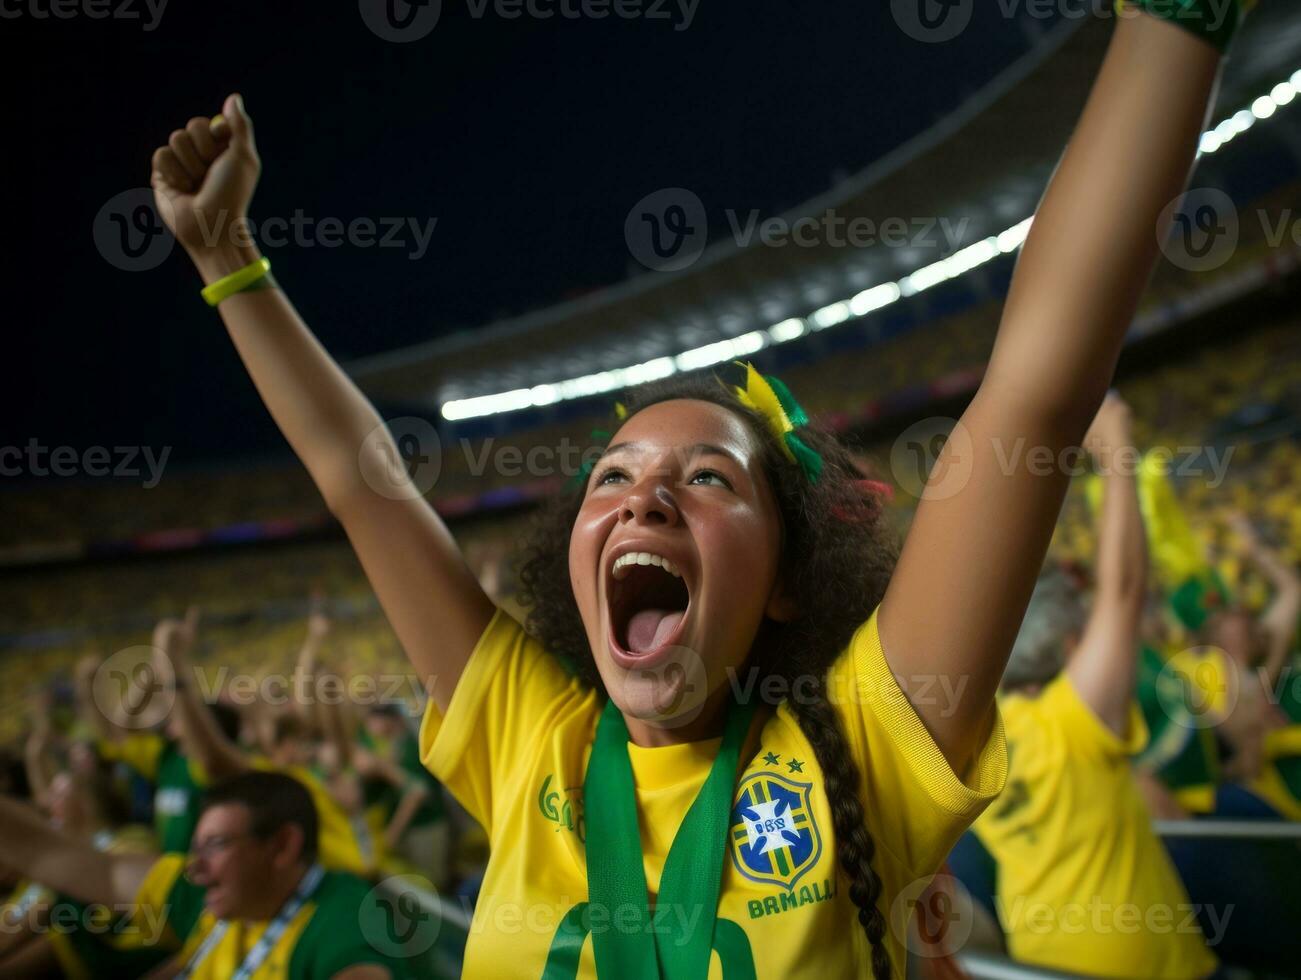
point(622, 563)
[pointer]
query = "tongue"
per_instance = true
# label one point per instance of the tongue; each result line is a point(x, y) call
point(649, 628)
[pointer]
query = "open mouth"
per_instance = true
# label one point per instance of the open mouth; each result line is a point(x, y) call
point(648, 600)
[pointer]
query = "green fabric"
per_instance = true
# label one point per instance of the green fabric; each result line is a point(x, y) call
point(431, 810)
point(1211, 20)
point(1197, 597)
point(176, 801)
point(334, 938)
point(616, 875)
point(117, 952)
point(184, 906)
point(1182, 754)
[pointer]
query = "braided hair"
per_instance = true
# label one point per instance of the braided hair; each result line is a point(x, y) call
point(837, 559)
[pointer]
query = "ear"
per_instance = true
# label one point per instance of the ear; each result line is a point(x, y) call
point(781, 606)
point(288, 842)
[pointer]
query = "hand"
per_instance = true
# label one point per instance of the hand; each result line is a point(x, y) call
point(204, 179)
point(189, 630)
point(1243, 530)
point(318, 620)
point(85, 670)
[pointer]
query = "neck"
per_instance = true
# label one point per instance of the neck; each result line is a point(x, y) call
point(709, 723)
point(276, 893)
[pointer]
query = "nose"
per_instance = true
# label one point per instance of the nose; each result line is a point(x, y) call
point(649, 501)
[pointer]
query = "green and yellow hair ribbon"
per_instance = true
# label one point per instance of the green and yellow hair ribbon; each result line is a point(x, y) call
point(769, 397)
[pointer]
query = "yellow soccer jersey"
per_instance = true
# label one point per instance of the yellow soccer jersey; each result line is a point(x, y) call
point(1084, 884)
point(513, 748)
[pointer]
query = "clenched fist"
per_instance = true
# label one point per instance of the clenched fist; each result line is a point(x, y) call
point(204, 178)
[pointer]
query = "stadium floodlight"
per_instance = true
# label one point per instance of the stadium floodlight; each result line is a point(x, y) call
point(1014, 237)
point(875, 298)
point(830, 315)
point(723, 350)
point(1264, 107)
point(833, 314)
point(786, 330)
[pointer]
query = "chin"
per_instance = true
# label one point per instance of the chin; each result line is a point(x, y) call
point(669, 691)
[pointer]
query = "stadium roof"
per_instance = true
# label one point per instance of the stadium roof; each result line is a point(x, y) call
point(982, 169)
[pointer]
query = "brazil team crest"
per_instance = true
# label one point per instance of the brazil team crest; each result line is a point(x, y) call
point(774, 838)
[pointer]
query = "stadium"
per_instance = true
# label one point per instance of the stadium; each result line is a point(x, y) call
point(230, 681)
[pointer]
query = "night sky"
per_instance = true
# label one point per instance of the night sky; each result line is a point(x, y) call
point(528, 139)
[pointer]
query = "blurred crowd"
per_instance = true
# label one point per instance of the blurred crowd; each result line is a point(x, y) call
point(1186, 715)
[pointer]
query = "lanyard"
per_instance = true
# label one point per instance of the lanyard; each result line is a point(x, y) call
point(655, 947)
point(258, 954)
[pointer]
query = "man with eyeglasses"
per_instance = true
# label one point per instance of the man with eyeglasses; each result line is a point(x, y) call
point(249, 901)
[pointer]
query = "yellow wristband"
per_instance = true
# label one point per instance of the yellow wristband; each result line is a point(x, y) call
point(237, 281)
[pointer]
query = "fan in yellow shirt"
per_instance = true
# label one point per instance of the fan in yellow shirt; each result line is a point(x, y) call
point(514, 746)
point(1084, 884)
point(722, 531)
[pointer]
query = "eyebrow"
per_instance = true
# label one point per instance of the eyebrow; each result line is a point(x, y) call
point(699, 449)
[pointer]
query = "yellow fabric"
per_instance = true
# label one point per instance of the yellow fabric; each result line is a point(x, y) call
point(758, 395)
point(240, 937)
point(1084, 884)
point(1269, 785)
point(139, 750)
point(1177, 555)
point(513, 748)
point(336, 842)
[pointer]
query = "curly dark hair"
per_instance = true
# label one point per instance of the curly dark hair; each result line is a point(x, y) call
point(837, 556)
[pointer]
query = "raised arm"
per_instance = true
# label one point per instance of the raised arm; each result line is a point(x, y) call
point(1278, 622)
point(35, 750)
point(1102, 666)
point(968, 566)
point(58, 861)
point(201, 737)
point(203, 181)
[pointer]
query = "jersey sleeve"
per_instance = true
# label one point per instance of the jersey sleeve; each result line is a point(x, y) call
point(498, 713)
point(916, 805)
point(139, 750)
point(1085, 732)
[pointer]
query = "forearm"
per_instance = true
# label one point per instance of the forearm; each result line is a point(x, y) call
point(53, 859)
point(1093, 243)
point(201, 736)
point(34, 761)
point(1122, 541)
point(403, 815)
point(320, 411)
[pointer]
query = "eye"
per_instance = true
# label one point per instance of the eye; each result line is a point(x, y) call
point(604, 476)
point(722, 481)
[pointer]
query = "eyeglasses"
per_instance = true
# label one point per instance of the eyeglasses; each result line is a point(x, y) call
point(212, 845)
